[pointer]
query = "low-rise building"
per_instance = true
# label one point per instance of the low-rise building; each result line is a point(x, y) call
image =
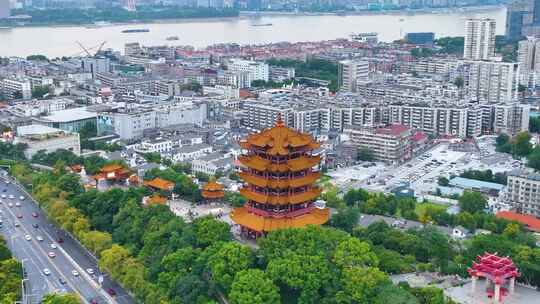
point(48, 139)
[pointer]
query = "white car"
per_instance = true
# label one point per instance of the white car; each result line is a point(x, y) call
point(46, 271)
point(4, 196)
point(11, 196)
point(39, 238)
point(28, 237)
point(90, 271)
point(17, 204)
point(21, 198)
point(10, 205)
point(75, 273)
point(17, 224)
point(51, 254)
point(53, 246)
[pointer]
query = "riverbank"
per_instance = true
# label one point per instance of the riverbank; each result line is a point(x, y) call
point(242, 15)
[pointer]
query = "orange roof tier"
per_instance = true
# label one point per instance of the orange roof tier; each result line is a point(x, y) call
point(293, 165)
point(264, 224)
point(308, 179)
point(159, 183)
point(213, 186)
point(156, 200)
point(293, 199)
point(212, 194)
point(279, 140)
point(111, 168)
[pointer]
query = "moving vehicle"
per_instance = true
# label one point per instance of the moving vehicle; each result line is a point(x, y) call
point(19, 216)
point(17, 204)
point(90, 270)
point(36, 226)
point(28, 237)
point(11, 196)
point(75, 273)
point(46, 272)
point(10, 205)
point(111, 292)
point(51, 254)
point(62, 281)
point(39, 238)
point(21, 198)
point(34, 214)
point(53, 246)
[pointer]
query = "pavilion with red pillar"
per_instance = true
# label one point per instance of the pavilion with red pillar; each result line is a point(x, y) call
point(500, 274)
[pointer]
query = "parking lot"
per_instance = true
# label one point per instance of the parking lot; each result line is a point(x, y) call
point(422, 172)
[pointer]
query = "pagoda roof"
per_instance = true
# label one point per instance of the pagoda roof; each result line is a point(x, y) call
point(254, 222)
point(297, 164)
point(308, 179)
point(111, 168)
point(159, 183)
point(494, 267)
point(212, 194)
point(279, 139)
point(298, 198)
point(212, 186)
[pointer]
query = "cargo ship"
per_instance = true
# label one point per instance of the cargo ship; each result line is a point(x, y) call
point(136, 31)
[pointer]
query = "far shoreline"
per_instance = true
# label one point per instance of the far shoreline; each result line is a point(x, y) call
point(243, 15)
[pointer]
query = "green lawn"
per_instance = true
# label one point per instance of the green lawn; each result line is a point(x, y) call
point(421, 208)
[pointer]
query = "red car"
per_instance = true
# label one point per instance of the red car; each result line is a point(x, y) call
point(60, 240)
point(111, 292)
point(19, 216)
point(34, 214)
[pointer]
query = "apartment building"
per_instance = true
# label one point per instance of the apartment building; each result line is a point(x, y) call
point(352, 72)
point(390, 144)
point(259, 115)
point(529, 60)
point(16, 88)
point(280, 74)
point(257, 70)
point(492, 81)
point(479, 39)
point(511, 118)
point(523, 192)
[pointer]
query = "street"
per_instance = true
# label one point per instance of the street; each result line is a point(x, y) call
point(68, 261)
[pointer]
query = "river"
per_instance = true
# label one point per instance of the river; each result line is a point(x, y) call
point(61, 41)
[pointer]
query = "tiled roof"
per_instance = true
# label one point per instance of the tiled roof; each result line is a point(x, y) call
point(531, 222)
point(258, 223)
point(160, 183)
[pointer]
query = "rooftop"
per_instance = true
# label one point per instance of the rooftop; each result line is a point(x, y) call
point(475, 184)
point(37, 130)
point(530, 221)
point(70, 115)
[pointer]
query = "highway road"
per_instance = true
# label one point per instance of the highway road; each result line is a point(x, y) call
point(19, 218)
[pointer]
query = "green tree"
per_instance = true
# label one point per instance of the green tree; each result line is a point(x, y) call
point(209, 231)
point(346, 218)
point(365, 154)
point(533, 159)
point(472, 202)
point(354, 253)
point(37, 57)
point(522, 144)
point(443, 181)
point(152, 157)
point(40, 91)
point(360, 284)
point(252, 286)
point(458, 82)
point(534, 124)
point(228, 260)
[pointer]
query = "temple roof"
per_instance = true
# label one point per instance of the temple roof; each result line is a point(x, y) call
point(280, 183)
point(299, 198)
point(156, 200)
point(110, 168)
point(279, 139)
point(160, 184)
point(254, 222)
point(212, 186)
point(297, 164)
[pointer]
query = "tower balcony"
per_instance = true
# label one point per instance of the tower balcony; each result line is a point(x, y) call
point(291, 198)
point(280, 183)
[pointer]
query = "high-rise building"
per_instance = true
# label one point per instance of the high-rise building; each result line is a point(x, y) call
point(279, 171)
point(529, 60)
point(4, 9)
point(479, 39)
point(522, 19)
point(95, 65)
point(492, 81)
point(351, 72)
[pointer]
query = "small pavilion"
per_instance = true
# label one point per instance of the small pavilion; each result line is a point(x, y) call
point(500, 274)
point(112, 172)
point(160, 184)
point(212, 191)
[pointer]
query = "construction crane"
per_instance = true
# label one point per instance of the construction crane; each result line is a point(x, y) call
point(87, 50)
